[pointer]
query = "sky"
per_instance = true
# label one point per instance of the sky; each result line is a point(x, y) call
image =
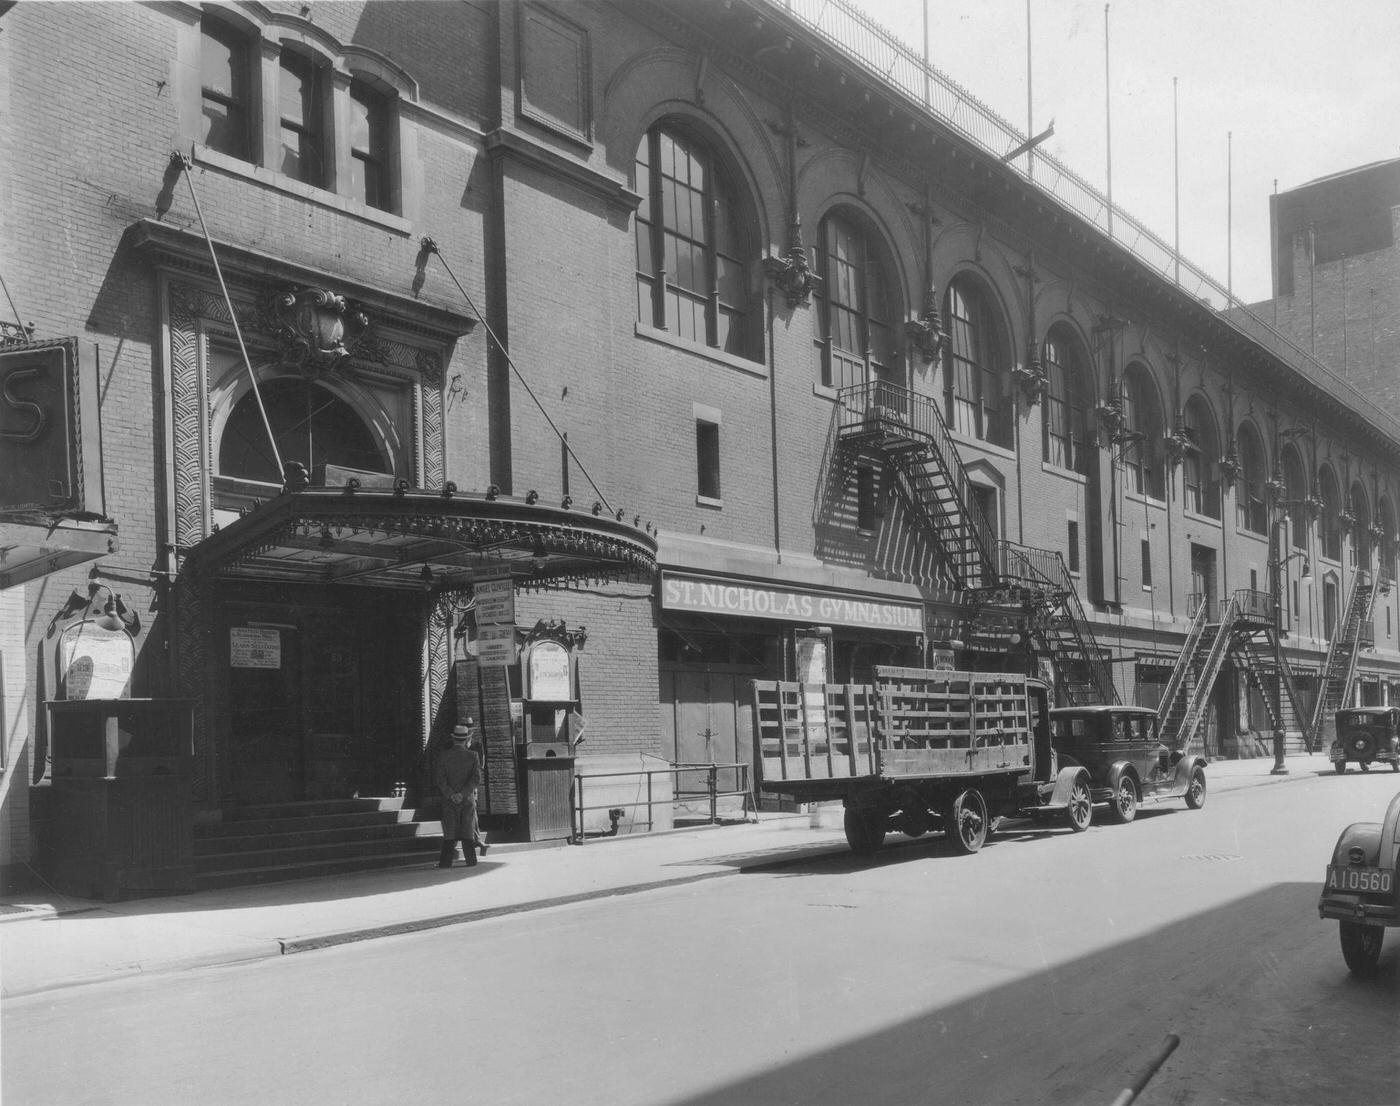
point(1267, 92)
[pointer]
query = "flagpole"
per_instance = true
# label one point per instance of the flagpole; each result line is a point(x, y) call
point(1176, 183)
point(1030, 112)
point(1229, 218)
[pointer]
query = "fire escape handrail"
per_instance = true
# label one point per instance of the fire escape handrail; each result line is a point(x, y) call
point(920, 415)
point(1200, 694)
point(1183, 663)
point(1347, 636)
point(1056, 573)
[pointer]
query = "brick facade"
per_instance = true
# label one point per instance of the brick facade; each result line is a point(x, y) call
point(526, 183)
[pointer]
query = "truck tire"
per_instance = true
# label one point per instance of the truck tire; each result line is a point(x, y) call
point(1080, 812)
point(865, 831)
point(967, 823)
point(1361, 946)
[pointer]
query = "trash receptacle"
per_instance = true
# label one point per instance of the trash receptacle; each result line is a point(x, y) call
point(549, 778)
point(121, 809)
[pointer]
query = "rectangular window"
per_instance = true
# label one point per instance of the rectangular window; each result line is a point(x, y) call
point(1072, 539)
point(1253, 579)
point(369, 146)
point(867, 501)
point(1296, 606)
point(299, 110)
point(1146, 563)
point(707, 459)
point(224, 64)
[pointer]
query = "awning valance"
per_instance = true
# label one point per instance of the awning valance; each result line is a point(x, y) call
point(415, 539)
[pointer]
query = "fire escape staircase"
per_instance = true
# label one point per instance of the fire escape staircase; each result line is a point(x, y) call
point(1339, 669)
point(1192, 680)
point(998, 579)
point(1255, 653)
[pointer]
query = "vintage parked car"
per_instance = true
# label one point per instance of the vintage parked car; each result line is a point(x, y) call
point(1367, 735)
point(1125, 758)
point(1361, 890)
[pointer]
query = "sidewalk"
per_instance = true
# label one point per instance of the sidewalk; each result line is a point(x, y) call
point(47, 942)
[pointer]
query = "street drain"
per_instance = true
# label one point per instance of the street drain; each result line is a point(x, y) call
point(1213, 856)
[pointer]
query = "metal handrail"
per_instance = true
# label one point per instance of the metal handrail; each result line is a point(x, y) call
point(919, 414)
point(1183, 664)
point(711, 791)
point(903, 69)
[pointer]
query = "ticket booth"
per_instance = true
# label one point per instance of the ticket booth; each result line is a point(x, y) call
point(553, 725)
point(120, 802)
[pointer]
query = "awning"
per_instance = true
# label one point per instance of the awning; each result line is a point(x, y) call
point(415, 539)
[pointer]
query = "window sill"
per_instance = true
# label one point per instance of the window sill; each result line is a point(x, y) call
point(825, 391)
point(709, 503)
point(984, 446)
point(1145, 500)
point(1192, 516)
point(1063, 473)
point(718, 356)
point(289, 186)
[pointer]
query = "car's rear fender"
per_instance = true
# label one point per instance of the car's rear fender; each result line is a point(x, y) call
point(1065, 780)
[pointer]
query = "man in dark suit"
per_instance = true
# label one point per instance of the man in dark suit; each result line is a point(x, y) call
point(458, 776)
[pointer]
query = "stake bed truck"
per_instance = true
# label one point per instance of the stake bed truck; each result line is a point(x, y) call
point(917, 750)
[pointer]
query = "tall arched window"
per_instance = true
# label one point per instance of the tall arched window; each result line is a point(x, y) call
point(312, 426)
point(694, 244)
point(1296, 492)
point(978, 365)
point(1142, 420)
point(856, 305)
point(1200, 484)
point(1361, 526)
point(1066, 402)
point(1385, 559)
point(226, 68)
point(1331, 495)
point(1251, 508)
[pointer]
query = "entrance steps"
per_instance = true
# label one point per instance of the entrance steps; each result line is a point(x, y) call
point(272, 842)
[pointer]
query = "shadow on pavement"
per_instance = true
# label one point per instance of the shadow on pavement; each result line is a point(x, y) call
point(1261, 1017)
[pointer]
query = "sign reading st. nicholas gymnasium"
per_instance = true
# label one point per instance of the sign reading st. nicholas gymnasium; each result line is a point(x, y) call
point(711, 596)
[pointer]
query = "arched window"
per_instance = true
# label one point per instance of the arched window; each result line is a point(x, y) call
point(1066, 403)
point(1385, 560)
point(312, 426)
point(302, 116)
point(226, 78)
point(1296, 492)
point(1142, 421)
point(1200, 484)
point(372, 120)
point(1251, 508)
point(856, 304)
point(694, 244)
point(1361, 526)
point(1331, 495)
point(978, 392)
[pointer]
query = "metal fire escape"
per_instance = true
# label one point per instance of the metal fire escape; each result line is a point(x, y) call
point(998, 580)
point(1244, 632)
point(1339, 669)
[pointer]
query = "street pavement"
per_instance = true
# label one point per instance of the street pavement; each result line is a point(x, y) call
point(49, 941)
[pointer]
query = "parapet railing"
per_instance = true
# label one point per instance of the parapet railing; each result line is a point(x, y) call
point(904, 69)
point(712, 787)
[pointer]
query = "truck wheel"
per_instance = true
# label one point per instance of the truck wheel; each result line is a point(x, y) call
point(1196, 793)
point(967, 822)
point(865, 831)
point(1361, 946)
point(1123, 808)
point(1080, 811)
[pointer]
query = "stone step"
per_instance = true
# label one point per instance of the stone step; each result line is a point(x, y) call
point(307, 869)
point(317, 851)
point(245, 827)
point(301, 836)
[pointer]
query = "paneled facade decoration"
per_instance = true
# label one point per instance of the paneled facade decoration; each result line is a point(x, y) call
point(720, 356)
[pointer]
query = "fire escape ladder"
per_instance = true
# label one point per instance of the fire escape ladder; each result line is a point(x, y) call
point(1255, 653)
point(1339, 669)
point(1173, 705)
point(1059, 621)
point(1205, 661)
point(908, 430)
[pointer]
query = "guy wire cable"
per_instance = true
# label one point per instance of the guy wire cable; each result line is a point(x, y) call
point(184, 164)
point(432, 247)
